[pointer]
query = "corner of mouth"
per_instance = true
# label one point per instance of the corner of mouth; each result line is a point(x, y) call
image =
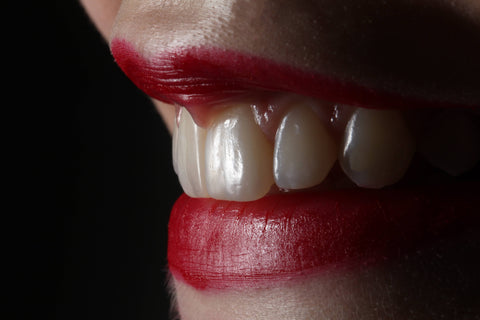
point(344, 222)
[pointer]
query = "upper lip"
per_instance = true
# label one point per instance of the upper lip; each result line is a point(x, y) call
point(206, 77)
point(200, 77)
point(196, 76)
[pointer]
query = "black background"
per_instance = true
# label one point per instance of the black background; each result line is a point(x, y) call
point(95, 183)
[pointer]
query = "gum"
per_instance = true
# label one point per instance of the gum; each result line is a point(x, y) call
point(269, 109)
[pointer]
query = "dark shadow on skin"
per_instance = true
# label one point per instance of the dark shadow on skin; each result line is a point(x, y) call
point(438, 46)
point(433, 282)
point(430, 46)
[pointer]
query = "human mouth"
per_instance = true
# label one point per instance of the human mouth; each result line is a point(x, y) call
point(280, 185)
point(198, 77)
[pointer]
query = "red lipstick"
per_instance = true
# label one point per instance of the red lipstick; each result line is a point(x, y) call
point(207, 76)
point(220, 244)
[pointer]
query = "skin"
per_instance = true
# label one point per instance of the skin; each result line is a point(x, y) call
point(367, 41)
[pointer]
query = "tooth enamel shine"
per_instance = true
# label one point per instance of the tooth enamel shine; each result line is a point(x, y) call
point(238, 157)
point(246, 149)
point(174, 146)
point(304, 150)
point(377, 148)
point(189, 153)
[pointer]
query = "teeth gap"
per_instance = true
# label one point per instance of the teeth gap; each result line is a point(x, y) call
point(291, 144)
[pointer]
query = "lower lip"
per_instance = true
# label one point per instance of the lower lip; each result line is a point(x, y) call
point(221, 245)
point(229, 245)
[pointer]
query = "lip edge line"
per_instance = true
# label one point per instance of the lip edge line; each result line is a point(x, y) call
point(144, 74)
point(451, 220)
point(408, 100)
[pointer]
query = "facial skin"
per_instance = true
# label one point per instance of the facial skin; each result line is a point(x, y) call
point(368, 42)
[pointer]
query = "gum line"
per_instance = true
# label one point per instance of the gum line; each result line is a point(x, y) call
point(268, 115)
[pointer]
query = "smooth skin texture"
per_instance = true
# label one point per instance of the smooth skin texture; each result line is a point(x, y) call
point(369, 42)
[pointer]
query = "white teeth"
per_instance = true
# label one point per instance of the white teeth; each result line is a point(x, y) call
point(234, 158)
point(189, 155)
point(174, 146)
point(377, 148)
point(452, 143)
point(238, 157)
point(304, 150)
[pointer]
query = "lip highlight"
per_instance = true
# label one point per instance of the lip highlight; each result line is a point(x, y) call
point(228, 245)
point(202, 77)
point(222, 245)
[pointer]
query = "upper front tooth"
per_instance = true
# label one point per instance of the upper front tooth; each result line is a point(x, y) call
point(189, 155)
point(377, 148)
point(304, 150)
point(174, 147)
point(238, 157)
point(452, 142)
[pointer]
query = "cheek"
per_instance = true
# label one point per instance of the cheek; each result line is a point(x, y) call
point(102, 13)
point(167, 111)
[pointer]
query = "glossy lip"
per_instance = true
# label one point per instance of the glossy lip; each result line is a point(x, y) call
point(225, 245)
point(207, 76)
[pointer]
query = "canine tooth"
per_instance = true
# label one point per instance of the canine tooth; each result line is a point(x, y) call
point(377, 148)
point(189, 151)
point(304, 150)
point(452, 142)
point(238, 157)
